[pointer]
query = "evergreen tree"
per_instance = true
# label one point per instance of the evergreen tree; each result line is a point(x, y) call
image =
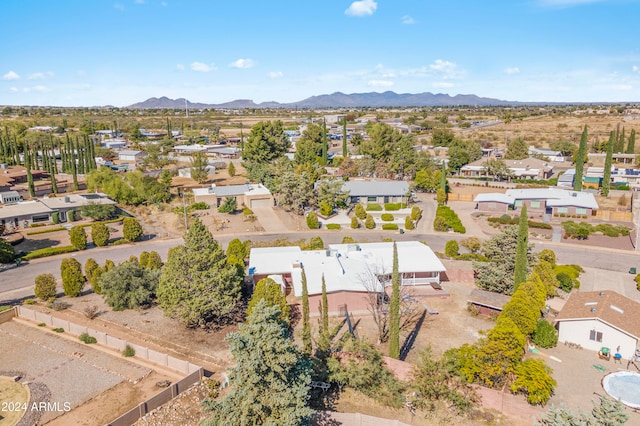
point(79, 157)
point(270, 291)
point(325, 309)
point(394, 308)
point(606, 181)
point(198, 284)
point(580, 157)
point(631, 147)
point(324, 143)
point(72, 278)
point(271, 379)
point(231, 169)
point(27, 163)
point(522, 249)
point(443, 178)
point(619, 144)
point(344, 139)
point(306, 326)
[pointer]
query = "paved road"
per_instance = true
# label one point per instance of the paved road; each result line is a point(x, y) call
point(18, 282)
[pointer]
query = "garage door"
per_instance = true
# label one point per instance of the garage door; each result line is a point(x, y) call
point(261, 203)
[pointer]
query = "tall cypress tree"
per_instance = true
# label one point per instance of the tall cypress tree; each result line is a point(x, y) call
point(394, 308)
point(80, 157)
point(344, 139)
point(522, 250)
point(325, 147)
point(325, 309)
point(306, 326)
point(443, 178)
point(582, 152)
point(606, 181)
point(619, 147)
point(631, 147)
point(74, 170)
point(27, 164)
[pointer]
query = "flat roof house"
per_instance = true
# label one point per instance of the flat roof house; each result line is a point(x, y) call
point(540, 200)
point(528, 168)
point(373, 191)
point(351, 271)
point(131, 155)
point(250, 195)
point(597, 319)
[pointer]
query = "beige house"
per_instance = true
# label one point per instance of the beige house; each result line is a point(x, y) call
point(528, 168)
point(250, 195)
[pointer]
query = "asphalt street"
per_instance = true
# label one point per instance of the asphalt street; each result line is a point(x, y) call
point(17, 283)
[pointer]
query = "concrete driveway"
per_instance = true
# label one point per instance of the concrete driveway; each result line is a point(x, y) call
point(270, 220)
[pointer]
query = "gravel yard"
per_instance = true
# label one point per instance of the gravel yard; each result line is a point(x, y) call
point(73, 372)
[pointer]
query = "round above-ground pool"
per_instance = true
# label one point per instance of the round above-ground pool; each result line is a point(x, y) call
point(623, 386)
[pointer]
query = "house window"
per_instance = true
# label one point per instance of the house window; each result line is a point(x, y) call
point(581, 211)
point(372, 199)
point(563, 209)
point(535, 204)
point(518, 203)
point(595, 336)
point(41, 218)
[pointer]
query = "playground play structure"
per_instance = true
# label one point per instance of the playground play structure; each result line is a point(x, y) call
point(634, 360)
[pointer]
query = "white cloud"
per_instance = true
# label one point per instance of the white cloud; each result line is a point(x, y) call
point(276, 74)
point(13, 89)
point(243, 63)
point(635, 68)
point(380, 83)
point(40, 89)
point(408, 20)
point(118, 6)
point(442, 85)
point(362, 8)
point(512, 70)
point(202, 67)
point(40, 75)
point(446, 69)
point(11, 75)
point(180, 67)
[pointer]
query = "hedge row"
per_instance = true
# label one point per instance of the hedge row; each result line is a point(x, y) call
point(582, 230)
point(50, 251)
point(333, 226)
point(44, 231)
point(374, 207)
point(390, 226)
point(394, 206)
point(508, 220)
point(387, 217)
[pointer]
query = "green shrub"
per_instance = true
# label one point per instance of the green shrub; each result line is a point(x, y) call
point(451, 249)
point(325, 209)
point(416, 213)
point(545, 335)
point(473, 256)
point(29, 302)
point(72, 278)
point(229, 205)
point(59, 330)
point(5, 308)
point(390, 226)
point(87, 339)
point(131, 229)
point(355, 224)
point(394, 206)
point(348, 240)
point(637, 279)
point(71, 216)
point(100, 234)
point(45, 286)
point(50, 251)
point(312, 220)
point(505, 219)
point(369, 223)
point(94, 279)
point(374, 207)
point(360, 212)
point(408, 223)
point(333, 226)
point(128, 351)
point(55, 218)
point(42, 324)
point(78, 237)
point(447, 219)
point(199, 206)
point(565, 282)
point(315, 243)
point(247, 211)
point(387, 217)
point(119, 241)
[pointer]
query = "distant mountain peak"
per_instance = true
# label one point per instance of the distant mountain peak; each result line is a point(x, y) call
point(337, 100)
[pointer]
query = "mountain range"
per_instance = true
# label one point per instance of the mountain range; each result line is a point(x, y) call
point(336, 100)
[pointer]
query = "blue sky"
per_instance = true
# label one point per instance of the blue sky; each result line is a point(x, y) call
point(117, 52)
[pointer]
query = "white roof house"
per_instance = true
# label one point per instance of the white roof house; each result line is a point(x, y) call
point(131, 155)
point(494, 197)
point(555, 197)
point(345, 266)
point(552, 155)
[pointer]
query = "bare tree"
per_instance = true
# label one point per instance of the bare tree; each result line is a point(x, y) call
point(375, 280)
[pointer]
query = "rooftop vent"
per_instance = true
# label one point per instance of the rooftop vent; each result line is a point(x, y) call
point(601, 293)
point(574, 194)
